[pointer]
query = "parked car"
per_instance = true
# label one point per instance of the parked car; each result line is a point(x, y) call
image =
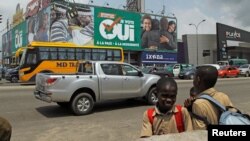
point(217, 66)
point(187, 73)
point(161, 71)
point(12, 75)
point(100, 81)
point(245, 70)
point(228, 71)
point(177, 68)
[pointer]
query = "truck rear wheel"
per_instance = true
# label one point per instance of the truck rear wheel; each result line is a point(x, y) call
point(82, 104)
point(152, 97)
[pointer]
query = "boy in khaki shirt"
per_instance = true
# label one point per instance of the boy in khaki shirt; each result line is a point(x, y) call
point(166, 117)
point(204, 81)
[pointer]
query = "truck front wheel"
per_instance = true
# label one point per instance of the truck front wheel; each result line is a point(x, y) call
point(82, 104)
point(152, 97)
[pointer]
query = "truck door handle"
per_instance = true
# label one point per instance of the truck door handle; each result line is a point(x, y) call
point(126, 78)
point(106, 78)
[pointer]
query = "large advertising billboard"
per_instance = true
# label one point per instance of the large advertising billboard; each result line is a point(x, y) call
point(87, 25)
point(117, 28)
point(158, 33)
point(6, 42)
point(19, 36)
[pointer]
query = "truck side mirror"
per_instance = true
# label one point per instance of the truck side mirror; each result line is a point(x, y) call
point(140, 73)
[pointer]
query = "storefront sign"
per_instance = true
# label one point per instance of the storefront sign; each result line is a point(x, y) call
point(159, 57)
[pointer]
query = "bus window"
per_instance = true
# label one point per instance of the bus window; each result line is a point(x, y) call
point(53, 53)
point(102, 53)
point(44, 53)
point(71, 54)
point(62, 54)
point(95, 54)
point(79, 54)
point(117, 55)
point(87, 54)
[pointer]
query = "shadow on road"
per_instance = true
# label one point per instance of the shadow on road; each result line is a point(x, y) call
point(54, 111)
point(116, 105)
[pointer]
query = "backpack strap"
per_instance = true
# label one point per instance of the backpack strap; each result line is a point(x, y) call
point(150, 115)
point(213, 101)
point(179, 119)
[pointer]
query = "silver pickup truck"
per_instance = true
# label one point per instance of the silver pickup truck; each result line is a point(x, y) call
point(96, 81)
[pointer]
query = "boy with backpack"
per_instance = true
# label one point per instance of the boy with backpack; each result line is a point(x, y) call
point(166, 117)
point(210, 105)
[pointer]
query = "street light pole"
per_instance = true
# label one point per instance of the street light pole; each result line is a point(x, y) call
point(197, 44)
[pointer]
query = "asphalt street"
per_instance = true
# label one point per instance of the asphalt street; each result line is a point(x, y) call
point(35, 120)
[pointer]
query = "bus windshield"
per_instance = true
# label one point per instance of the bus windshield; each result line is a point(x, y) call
point(23, 57)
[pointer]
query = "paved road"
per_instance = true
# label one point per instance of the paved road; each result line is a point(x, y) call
point(34, 120)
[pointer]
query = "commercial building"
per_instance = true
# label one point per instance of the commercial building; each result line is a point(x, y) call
point(228, 43)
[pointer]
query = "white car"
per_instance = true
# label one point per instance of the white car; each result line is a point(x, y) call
point(245, 70)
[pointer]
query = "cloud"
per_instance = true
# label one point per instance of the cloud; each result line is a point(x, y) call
point(235, 12)
point(185, 17)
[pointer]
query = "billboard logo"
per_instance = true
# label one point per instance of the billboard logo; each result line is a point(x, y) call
point(234, 34)
point(158, 57)
point(18, 38)
point(122, 29)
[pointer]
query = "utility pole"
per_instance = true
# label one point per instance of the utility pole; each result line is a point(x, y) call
point(197, 44)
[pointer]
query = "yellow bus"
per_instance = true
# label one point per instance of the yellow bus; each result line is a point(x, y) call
point(61, 57)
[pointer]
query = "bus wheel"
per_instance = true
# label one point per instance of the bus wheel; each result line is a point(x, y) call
point(14, 79)
point(82, 104)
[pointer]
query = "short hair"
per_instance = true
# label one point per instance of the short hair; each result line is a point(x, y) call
point(208, 75)
point(146, 16)
point(192, 90)
point(171, 22)
point(155, 24)
point(163, 81)
point(164, 23)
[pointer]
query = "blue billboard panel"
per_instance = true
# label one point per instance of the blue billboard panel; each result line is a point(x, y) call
point(159, 57)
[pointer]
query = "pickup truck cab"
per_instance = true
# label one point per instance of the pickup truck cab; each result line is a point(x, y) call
point(96, 81)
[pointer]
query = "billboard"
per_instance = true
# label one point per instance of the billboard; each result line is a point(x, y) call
point(88, 25)
point(149, 57)
point(38, 26)
point(19, 36)
point(117, 28)
point(6, 44)
point(34, 6)
point(158, 33)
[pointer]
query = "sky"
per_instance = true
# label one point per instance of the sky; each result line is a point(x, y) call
point(230, 12)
